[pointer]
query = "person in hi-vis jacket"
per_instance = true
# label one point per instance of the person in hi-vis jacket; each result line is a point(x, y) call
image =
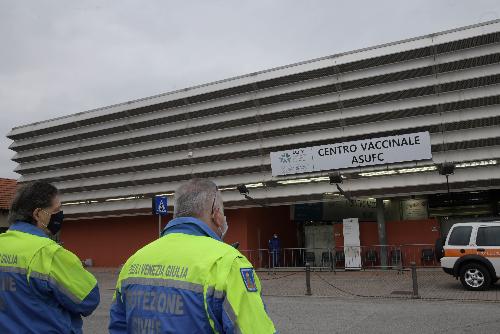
point(43, 287)
point(189, 280)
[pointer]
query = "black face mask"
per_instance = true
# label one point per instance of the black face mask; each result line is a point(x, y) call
point(55, 222)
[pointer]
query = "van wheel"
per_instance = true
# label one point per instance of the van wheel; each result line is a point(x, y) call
point(475, 277)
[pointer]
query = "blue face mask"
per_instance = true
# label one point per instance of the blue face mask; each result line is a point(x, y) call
point(55, 222)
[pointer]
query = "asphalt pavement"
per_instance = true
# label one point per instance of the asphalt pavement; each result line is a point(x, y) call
point(337, 315)
point(296, 314)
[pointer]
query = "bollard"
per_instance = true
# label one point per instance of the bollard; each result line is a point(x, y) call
point(308, 279)
point(414, 279)
point(269, 263)
point(334, 261)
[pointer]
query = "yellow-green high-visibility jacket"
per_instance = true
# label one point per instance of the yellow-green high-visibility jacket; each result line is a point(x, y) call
point(43, 287)
point(188, 281)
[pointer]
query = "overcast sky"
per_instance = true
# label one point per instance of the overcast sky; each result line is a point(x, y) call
point(62, 57)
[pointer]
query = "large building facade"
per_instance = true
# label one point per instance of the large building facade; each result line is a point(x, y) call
point(109, 162)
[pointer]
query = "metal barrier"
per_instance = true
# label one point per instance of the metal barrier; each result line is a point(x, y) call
point(290, 257)
point(374, 256)
point(391, 256)
point(259, 258)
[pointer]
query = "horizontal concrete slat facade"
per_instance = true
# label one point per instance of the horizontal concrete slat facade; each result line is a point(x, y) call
point(340, 86)
point(246, 149)
point(444, 83)
point(480, 78)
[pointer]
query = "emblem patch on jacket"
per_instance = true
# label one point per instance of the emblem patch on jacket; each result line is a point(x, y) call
point(249, 279)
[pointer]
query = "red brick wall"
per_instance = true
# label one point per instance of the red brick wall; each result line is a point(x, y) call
point(368, 233)
point(412, 232)
point(245, 224)
point(237, 228)
point(109, 242)
point(398, 232)
point(269, 221)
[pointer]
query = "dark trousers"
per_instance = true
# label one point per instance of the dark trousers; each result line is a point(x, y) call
point(275, 258)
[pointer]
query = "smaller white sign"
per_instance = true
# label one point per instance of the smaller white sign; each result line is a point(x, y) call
point(414, 209)
point(352, 247)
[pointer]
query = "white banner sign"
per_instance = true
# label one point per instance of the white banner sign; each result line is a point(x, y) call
point(368, 152)
point(352, 249)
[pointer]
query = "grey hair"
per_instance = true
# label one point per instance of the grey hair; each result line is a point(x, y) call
point(31, 196)
point(195, 198)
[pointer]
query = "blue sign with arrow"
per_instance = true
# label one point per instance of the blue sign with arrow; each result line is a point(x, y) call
point(160, 205)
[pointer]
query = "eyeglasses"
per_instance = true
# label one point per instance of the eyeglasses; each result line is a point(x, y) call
point(215, 196)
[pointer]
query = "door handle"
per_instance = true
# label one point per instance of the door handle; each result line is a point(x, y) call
point(462, 251)
point(481, 250)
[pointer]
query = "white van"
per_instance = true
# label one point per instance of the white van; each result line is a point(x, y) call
point(472, 253)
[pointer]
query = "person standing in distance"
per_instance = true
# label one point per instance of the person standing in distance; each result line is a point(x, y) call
point(43, 287)
point(275, 249)
point(189, 281)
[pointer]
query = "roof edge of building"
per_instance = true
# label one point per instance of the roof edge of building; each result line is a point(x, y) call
point(213, 83)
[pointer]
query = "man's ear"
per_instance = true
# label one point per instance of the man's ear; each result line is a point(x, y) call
point(215, 216)
point(36, 214)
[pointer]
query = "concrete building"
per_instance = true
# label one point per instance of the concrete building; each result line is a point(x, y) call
point(109, 162)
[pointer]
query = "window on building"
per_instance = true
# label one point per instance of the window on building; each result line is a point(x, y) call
point(460, 236)
point(488, 236)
